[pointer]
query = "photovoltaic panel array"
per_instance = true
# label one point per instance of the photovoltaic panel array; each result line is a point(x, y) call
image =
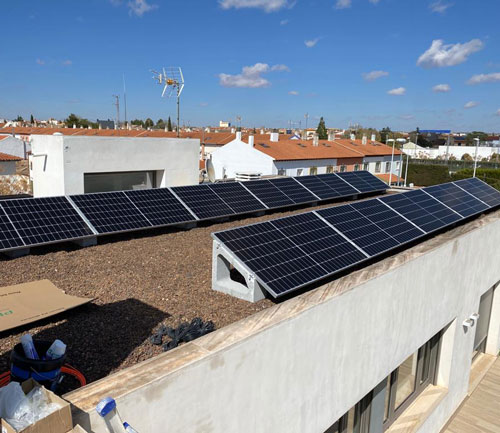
point(36, 221)
point(289, 253)
point(363, 181)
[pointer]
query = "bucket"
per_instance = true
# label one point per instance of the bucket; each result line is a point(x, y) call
point(46, 373)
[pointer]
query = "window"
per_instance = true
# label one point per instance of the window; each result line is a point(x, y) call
point(313, 170)
point(281, 172)
point(377, 167)
point(299, 172)
point(343, 168)
point(356, 167)
point(483, 323)
point(357, 420)
point(366, 166)
point(329, 168)
point(118, 181)
point(387, 167)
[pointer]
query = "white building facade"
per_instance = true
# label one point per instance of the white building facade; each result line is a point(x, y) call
point(64, 165)
point(14, 146)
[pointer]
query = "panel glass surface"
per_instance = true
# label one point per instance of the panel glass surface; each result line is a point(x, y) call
point(110, 212)
point(203, 201)
point(160, 206)
point(288, 253)
point(481, 190)
point(237, 197)
point(293, 190)
point(266, 192)
point(340, 185)
point(422, 209)
point(363, 181)
point(318, 187)
point(8, 236)
point(456, 199)
point(45, 220)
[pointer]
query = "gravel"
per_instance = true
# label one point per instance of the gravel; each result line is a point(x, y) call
point(138, 282)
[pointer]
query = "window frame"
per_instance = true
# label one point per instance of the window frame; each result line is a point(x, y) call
point(362, 412)
point(378, 166)
point(366, 166)
point(313, 170)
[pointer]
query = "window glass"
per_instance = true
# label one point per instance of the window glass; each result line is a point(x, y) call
point(104, 182)
point(377, 167)
point(343, 168)
point(387, 167)
point(281, 172)
point(350, 421)
point(329, 168)
point(299, 172)
point(356, 167)
point(483, 321)
point(406, 379)
point(387, 398)
point(366, 166)
point(313, 170)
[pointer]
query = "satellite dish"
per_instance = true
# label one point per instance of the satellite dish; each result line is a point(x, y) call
point(210, 170)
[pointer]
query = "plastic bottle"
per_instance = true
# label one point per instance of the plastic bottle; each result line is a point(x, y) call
point(56, 350)
point(106, 408)
point(128, 428)
point(28, 347)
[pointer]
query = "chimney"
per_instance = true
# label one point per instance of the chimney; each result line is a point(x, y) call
point(315, 140)
point(262, 132)
point(100, 126)
point(74, 125)
point(304, 135)
point(275, 136)
point(166, 129)
point(365, 139)
point(331, 135)
point(251, 140)
point(353, 137)
point(233, 130)
point(374, 137)
point(238, 135)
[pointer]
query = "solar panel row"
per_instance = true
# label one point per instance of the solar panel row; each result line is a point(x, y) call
point(33, 221)
point(288, 253)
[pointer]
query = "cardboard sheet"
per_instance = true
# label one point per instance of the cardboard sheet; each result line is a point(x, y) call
point(29, 302)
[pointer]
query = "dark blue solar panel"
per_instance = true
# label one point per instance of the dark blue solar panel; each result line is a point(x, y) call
point(456, 199)
point(293, 190)
point(8, 236)
point(363, 181)
point(268, 193)
point(481, 190)
point(318, 187)
point(237, 197)
point(202, 201)
point(339, 185)
point(422, 209)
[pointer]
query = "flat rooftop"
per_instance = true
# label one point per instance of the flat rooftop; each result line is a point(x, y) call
point(138, 281)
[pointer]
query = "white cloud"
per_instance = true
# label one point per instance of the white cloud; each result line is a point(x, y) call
point(251, 76)
point(374, 75)
point(498, 112)
point(311, 42)
point(484, 78)
point(439, 6)
point(40, 62)
point(471, 104)
point(407, 117)
point(343, 4)
point(67, 62)
point(284, 22)
point(203, 104)
point(397, 92)
point(293, 92)
point(440, 55)
point(266, 5)
point(441, 88)
point(140, 7)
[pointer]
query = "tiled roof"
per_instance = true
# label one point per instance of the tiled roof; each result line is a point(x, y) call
point(372, 148)
point(7, 157)
point(385, 177)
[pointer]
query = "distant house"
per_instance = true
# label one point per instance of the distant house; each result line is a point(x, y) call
point(106, 124)
point(8, 164)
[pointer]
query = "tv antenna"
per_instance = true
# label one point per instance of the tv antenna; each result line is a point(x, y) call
point(172, 80)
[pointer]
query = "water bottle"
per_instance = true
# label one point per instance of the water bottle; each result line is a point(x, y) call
point(56, 350)
point(28, 347)
point(128, 428)
point(106, 408)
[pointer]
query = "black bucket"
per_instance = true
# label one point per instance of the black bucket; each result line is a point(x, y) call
point(46, 373)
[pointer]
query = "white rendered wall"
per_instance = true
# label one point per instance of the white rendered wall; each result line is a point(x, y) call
point(70, 157)
point(14, 146)
point(299, 366)
point(291, 167)
point(238, 156)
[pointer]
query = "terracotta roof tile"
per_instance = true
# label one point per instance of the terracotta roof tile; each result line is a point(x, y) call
point(7, 157)
point(372, 148)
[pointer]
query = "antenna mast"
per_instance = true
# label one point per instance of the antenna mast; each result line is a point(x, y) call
point(173, 81)
point(125, 100)
point(117, 104)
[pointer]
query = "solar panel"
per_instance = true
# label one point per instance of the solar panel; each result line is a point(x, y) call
point(45, 220)
point(237, 197)
point(160, 206)
point(318, 187)
point(202, 201)
point(110, 212)
point(8, 236)
point(480, 190)
point(422, 209)
point(340, 185)
point(268, 193)
point(294, 190)
point(288, 253)
point(363, 181)
point(456, 199)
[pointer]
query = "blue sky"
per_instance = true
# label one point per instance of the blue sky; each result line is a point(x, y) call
point(303, 56)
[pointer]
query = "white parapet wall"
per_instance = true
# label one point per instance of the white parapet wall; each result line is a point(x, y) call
point(301, 364)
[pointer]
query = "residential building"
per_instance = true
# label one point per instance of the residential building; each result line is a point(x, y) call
point(14, 146)
point(8, 164)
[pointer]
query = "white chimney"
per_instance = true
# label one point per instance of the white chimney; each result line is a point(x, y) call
point(74, 125)
point(315, 139)
point(365, 139)
point(233, 130)
point(275, 136)
point(304, 135)
point(331, 135)
point(238, 136)
point(262, 132)
point(100, 126)
point(251, 140)
point(374, 137)
point(353, 136)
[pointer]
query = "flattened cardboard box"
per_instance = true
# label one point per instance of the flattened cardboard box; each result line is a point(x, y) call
point(59, 421)
point(29, 302)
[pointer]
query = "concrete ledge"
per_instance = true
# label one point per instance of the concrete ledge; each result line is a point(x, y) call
point(479, 368)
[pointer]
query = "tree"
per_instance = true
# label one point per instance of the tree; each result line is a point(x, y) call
point(79, 122)
point(466, 157)
point(469, 138)
point(137, 122)
point(148, 123)
point(32, 121)
point(169, 124)
point(321, 130)
point(384, 134)
point(19, 119)
point(160, 124)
